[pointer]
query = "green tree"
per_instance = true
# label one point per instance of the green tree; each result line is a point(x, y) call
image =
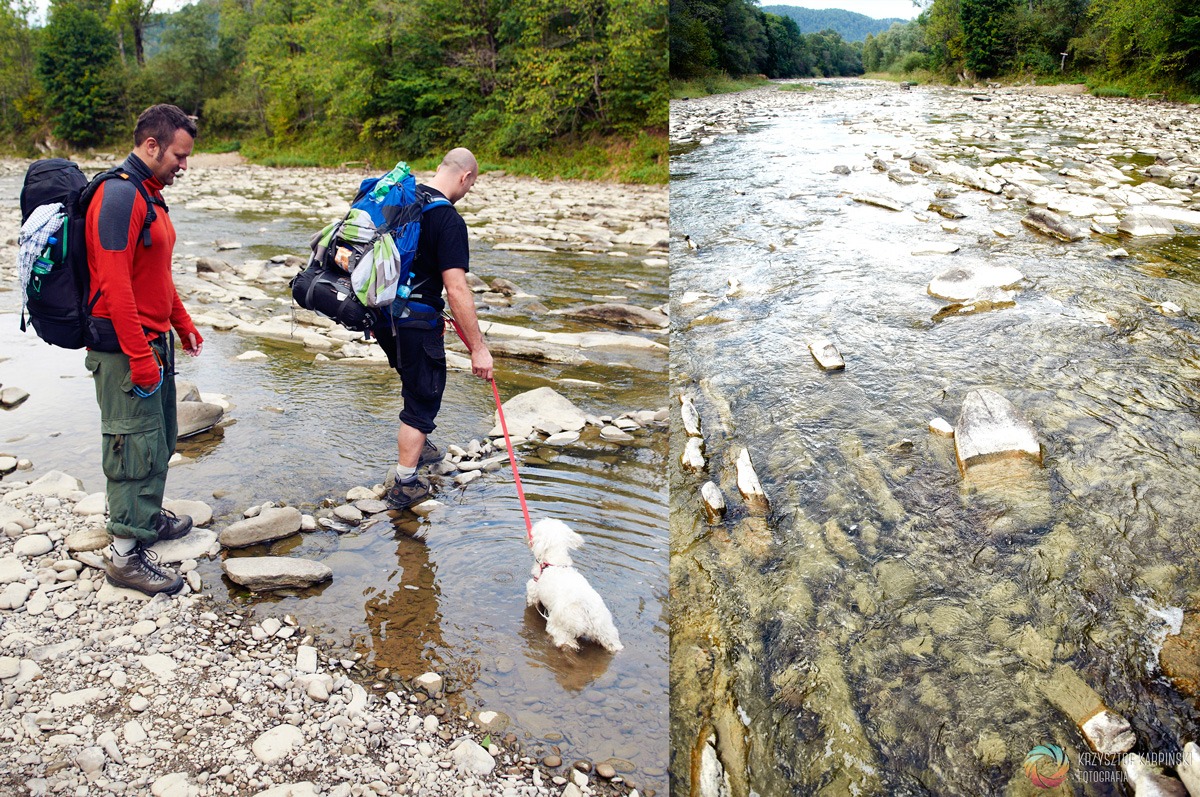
point(19, 90)
point(984, 23)
point(131, 16)
point(75, 64)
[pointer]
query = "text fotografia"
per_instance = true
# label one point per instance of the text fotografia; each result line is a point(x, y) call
point(1090, 759)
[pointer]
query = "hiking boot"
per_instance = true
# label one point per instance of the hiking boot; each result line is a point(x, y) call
point(429, 454)
point(170, 526)
point(140, 570)
point(402, 496)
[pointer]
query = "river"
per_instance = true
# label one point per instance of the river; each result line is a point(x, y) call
point(446, 594)
point(890, 626)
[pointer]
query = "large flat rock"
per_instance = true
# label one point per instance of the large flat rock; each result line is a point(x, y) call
point(263, 573)
point(618, 314)
point(273, 524)
point(965, 282)
point(1048, 222)
point(195, 417)
point(54, 484)
point(542, 408)
point(989, 428)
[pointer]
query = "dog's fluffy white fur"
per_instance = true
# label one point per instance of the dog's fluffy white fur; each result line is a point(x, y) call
point(574, 610)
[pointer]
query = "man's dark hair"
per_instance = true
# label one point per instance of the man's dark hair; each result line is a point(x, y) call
point(160, 123)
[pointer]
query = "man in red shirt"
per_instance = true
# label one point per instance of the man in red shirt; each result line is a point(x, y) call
point(129, 259)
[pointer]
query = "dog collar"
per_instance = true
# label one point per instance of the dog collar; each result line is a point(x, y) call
point(543, 570)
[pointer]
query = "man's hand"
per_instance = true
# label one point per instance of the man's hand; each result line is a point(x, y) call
point(481, 362)
point(193, 346)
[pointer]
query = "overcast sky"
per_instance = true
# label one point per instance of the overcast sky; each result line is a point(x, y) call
point(879, 9)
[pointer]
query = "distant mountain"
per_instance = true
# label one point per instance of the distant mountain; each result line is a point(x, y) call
point(852, 27)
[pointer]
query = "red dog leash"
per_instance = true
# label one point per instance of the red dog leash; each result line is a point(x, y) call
point(512, 459)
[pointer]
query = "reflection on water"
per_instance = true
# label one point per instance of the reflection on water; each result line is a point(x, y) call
point(891, 627)
point(447, 594)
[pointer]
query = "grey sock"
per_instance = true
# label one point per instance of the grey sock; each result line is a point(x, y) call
point(405, 475)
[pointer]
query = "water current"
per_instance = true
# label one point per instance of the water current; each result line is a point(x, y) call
point(446, 594)
point(889, 626)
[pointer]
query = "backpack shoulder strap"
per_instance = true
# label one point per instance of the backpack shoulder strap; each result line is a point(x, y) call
point(120, 172)
point(433, 202)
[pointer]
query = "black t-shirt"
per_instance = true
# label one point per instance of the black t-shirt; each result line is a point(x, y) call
point(442, 245)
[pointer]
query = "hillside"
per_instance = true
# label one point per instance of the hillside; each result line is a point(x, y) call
point(853, 27)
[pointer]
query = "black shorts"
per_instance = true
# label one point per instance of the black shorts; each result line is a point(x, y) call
point(419, 356)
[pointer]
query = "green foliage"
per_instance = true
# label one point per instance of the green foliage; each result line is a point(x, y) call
point(714, 84)
point(20, 92)
point(850, 26)
point(986, 48)
point(77, 66)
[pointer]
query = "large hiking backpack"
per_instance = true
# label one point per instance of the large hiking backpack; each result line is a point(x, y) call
point(364, 261)
point(52, 258)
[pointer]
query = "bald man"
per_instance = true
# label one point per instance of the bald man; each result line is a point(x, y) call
point(412, 335)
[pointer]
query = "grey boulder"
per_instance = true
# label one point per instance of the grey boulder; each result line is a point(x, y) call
point(263, 573)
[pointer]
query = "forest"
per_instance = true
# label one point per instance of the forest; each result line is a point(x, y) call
point(736, 38)
point(1119, 47)
point(317, 82)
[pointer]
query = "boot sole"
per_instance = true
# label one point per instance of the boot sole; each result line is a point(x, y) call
point(116, 583)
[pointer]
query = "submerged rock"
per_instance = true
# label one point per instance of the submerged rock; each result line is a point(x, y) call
point(1108, 733)
point(1179, 656)
point(622, 315)
point(990, 428)
point(263, 573)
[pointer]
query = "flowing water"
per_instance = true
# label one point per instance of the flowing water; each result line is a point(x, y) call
point(446, 594)
point(889, 626)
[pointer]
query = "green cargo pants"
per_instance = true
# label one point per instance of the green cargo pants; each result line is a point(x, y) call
point(138, 440)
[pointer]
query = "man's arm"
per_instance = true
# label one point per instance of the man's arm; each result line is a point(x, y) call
point(462, 305)
point(188, 334)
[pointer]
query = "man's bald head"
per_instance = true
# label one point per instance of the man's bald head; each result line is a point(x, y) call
point(456, 174)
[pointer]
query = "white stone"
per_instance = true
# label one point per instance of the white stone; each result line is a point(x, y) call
point(80, 697)
point(615, 434)
point(990, 428)
point(160, 665)
point(55, 483)
point(942, 427)
point(1147, 781)
point(200, 512)
point(33, 545)
point(693, 454)
point(526, 411)
point(91, 759)
point(11, 569)
point(92, 539)
point(748, 484)
point(472, 759)
point(430, 683)
point(1140, 225)
point(561, 439)
point(967, 281)
point(94, 504)
point(302, 789)
point(348, 513)
point(1109, 733)
point(262, 573)
point(714, 501)
point(826, 354)
point(134, 733)
point(277, 743)
point(10, 514)
point(173, 785)
point(270, 524)
point(253, 356)
point(194, 545)
point(9, 667)
point(1189, 768)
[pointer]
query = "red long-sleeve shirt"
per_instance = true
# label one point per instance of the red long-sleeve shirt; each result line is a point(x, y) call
point(137, 292)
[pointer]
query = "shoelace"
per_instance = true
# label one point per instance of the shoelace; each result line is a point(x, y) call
point(149, 560)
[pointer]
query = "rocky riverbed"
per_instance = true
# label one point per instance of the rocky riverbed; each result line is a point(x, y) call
point(845, 572)
point(235, 287)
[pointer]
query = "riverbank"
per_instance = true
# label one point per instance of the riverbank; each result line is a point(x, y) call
point(109, 692)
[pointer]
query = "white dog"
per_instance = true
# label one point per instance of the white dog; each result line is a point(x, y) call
point(574, 610)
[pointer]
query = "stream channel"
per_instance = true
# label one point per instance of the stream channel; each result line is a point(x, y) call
point(890, 626)
point(448, 593)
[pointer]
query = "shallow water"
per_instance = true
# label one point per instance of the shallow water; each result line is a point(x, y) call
point(446, 594)
point(888, 626)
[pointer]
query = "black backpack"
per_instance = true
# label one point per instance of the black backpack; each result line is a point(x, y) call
point(57, 294)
